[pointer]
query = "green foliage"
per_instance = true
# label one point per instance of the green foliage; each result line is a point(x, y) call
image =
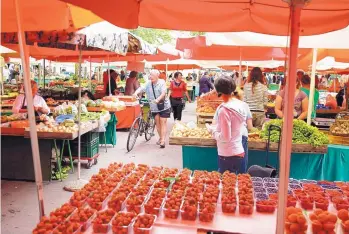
point(194, 34)
point(302, 133)
point(153, 36)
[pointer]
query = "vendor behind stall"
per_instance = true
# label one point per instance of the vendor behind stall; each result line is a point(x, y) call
point(112, 82)
point(132, 84)
point(305, 81)
point(40, 106)
point(300, 110)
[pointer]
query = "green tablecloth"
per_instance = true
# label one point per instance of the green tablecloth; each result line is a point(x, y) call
point(333, 166)
point(110, 131)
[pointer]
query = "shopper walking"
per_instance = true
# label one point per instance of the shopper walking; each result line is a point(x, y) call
point(160, 106)
point(256, 96)
point(228, 131)
point(177, 90)
point(205, 85)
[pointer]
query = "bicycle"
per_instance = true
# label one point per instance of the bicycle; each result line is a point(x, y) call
point(140, 126)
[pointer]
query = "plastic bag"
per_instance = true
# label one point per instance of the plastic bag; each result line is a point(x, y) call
point(101, 126)
point(192, 125)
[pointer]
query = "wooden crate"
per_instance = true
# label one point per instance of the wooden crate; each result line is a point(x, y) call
point(192, 141)
point(338, 140)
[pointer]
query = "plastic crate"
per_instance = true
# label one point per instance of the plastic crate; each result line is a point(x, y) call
point(88, 150)
point(89, 137)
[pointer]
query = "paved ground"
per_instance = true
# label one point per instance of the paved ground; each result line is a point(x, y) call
point(19, 205)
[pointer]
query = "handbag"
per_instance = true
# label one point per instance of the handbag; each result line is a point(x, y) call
point(161, 104)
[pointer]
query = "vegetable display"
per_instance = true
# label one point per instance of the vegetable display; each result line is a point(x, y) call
point(302, 133)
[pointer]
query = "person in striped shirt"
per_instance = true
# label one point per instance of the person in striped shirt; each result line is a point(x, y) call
point(256, 96)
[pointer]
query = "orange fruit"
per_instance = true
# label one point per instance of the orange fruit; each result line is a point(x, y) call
point(313, 217)
point(301, 219)
point(323, 218)
point(294, 227)
point(292, 218)
point(329, 226)
point(316, 226)
point(343, 215)
point(332, 218)
point(318, 211)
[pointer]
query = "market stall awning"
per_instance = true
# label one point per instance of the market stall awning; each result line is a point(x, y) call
point(332, 40)
point(100, 36)
point(263, 16)
point(44, 15)
point(179, 64)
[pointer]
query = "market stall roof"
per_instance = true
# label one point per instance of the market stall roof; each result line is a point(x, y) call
point(179, 64)
point(332, 40)
point(5, 50)
point(329, 63)
point(45, 15)
point(263, 16)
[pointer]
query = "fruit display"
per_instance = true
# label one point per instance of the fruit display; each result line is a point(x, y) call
point(189, 210)
point(67, 227)
point(101, 222)
point(182, 130)
point(143, 224)
point(295, 221)
point(51, 102)
point(205, 107)
point(323, 221)
point(14, 117)
point(130, 198)
point(83, 216)
point(302, 133)
point(122, 221)
point(343, 215)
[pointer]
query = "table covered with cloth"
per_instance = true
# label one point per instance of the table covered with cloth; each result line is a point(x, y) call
point(333, 166)
point(127, 116)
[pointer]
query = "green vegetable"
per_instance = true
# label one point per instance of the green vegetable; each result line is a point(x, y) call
point(302, 133)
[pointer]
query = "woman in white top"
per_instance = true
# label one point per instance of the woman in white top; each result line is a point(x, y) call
point(40, 105)
point(256, 96)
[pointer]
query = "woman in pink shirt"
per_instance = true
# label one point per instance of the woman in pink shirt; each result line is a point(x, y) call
point(228, 131)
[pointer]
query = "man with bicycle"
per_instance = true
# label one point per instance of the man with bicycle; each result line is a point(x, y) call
point(160, 106)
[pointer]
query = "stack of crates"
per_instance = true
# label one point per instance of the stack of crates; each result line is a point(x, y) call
point(89, 145)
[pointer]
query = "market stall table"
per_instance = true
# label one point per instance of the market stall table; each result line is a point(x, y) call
point(201, 154)
point(16, 160)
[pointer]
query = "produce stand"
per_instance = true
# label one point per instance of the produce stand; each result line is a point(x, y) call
point(16, 161)
point(118, 185)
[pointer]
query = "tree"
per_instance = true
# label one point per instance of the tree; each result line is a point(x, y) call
point(153, 36)
point(194, 34)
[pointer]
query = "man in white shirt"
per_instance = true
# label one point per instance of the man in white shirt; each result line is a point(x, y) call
point(40, 105)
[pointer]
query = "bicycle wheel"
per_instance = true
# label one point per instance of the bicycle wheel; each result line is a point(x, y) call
point(133, 134)
point(149, 129)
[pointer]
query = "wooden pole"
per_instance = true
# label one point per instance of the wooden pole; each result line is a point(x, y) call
point(30, 106)
point(287, 126)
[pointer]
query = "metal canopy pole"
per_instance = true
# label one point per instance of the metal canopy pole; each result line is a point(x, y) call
point(30, 106)
point(90, 73)
point(312, 87)
point(287, 126)
point(109, 77)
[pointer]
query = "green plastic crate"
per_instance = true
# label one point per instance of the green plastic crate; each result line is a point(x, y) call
point(89, 137)
point(88, 150)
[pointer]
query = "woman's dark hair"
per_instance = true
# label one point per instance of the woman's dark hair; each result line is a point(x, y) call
point(255, 76)
point(224, 85)
point(177, 74)
point(305, 79)
point(89, 94)
point(133, 74)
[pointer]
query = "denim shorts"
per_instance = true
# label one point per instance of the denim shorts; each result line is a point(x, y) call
point(163, 114)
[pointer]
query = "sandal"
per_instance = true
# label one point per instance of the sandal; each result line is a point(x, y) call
point(162, 146)
point(158, 142)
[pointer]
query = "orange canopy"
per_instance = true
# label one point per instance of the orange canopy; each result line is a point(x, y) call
point(264, 16)
point(44, 15)
point(176, 67)
point(62, 55)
